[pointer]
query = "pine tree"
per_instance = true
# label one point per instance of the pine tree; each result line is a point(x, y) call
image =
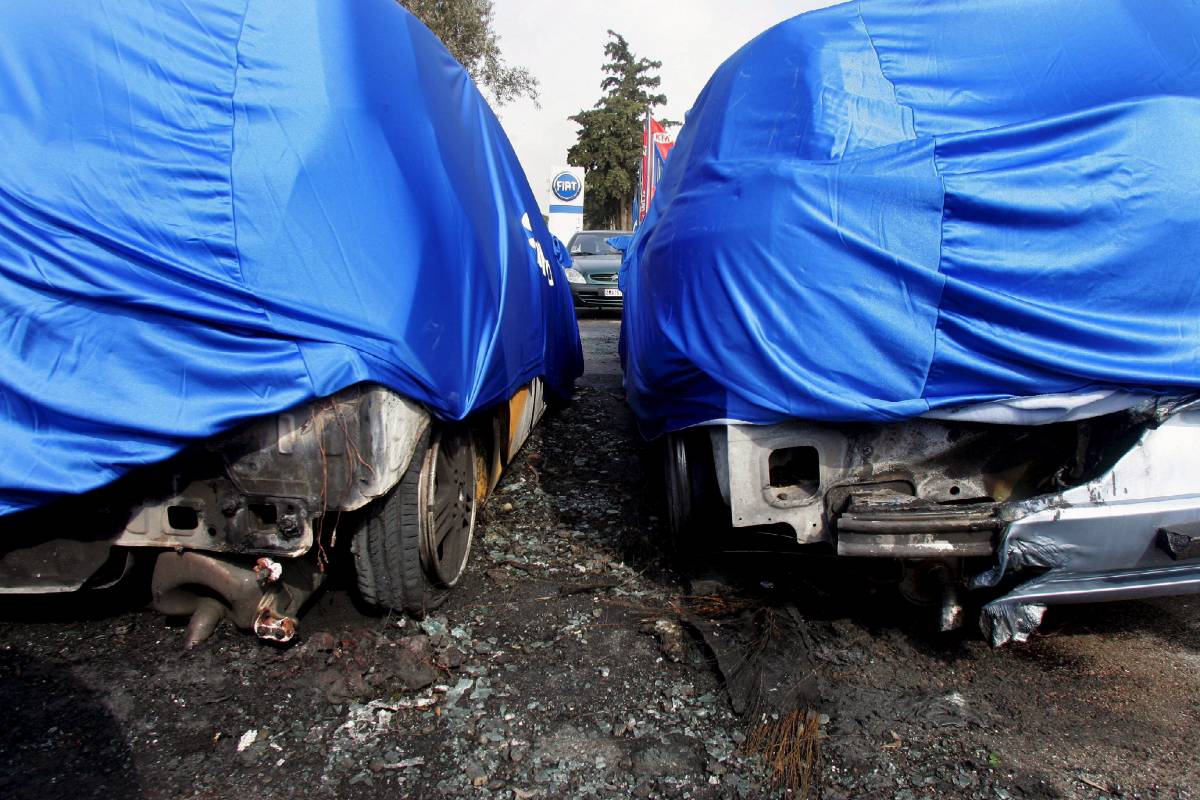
point(609, 147)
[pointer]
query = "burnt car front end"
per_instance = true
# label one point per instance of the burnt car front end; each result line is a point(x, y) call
point(244, 525)
point(1102, 508)
point(240, 525)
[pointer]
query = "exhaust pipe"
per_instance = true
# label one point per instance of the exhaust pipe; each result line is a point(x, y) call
point(264, 598)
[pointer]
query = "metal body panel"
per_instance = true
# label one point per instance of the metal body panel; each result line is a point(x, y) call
point(1101, 540)
point(525, 410)
point(264, 489)
point(268, 483)
point(930, 489)
point(49, 567)
point(921, 454)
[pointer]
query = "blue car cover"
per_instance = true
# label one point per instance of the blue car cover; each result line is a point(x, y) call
point(889, 207)
point(212, 210)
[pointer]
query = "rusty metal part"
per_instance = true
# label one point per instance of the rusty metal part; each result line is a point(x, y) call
point(208, 588)
point(483, 467)
point(525, 408)
point(263, 488)
point(510, 426)
point(897, 513)
point(497, 451)
point(274, 627)
point(1181, 542)
point(954, 519)
point(953, 615)
point(916, 545)
point(801, 474)
point(893, 525)
point(268, 570)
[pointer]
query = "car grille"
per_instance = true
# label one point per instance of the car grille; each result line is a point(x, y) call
point(604, 277)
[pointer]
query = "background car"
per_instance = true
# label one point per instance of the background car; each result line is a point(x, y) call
point(593, 273)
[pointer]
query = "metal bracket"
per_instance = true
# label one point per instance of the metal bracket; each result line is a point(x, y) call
point(1181, 542)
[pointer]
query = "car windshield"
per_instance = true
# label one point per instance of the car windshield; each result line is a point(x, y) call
point(594, 244)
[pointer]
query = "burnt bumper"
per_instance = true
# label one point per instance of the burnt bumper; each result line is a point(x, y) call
point(261, 490)
point(264, 489)
point(899, 526)
point(1128, 527)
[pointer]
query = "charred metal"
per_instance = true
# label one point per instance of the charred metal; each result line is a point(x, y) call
point(1098, 508)
point(239, 526)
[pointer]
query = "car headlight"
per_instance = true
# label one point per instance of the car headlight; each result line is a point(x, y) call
point(574, 276)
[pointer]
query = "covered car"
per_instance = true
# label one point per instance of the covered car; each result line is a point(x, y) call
point(269, 273)
point(920, 282)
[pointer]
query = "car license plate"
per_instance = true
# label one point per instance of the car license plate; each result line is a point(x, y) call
point(612, 292)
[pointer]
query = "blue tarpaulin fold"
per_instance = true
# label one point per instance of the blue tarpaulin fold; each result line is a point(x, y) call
point(884, 208)
point(212, 210)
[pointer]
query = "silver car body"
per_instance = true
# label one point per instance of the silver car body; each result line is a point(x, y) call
point(1051, 525)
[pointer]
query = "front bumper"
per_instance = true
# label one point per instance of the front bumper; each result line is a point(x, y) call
point(901, 491)
point(261, 490)
point(1106, 540)
point(592, 295)
point(270, 482)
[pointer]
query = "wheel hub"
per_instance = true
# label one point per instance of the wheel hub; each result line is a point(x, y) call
point(447, 510)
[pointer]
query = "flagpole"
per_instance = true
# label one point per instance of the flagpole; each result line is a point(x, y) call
point(647, 168)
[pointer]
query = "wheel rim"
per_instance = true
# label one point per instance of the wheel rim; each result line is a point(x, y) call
point(448, 506)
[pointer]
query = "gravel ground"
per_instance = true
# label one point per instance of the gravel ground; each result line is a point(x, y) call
point(576, 661)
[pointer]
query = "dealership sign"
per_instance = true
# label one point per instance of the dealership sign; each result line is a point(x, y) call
point(566, 187)
point(565, 210)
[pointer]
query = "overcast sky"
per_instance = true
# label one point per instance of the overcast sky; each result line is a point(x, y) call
point(562, 43)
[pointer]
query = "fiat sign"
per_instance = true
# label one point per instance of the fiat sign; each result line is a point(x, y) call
point(566, 187)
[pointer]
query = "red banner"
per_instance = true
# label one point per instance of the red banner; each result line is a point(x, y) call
point(656, 145)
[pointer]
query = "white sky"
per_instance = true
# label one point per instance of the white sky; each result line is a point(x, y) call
point(562, 43)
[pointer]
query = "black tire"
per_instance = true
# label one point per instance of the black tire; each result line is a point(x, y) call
point(697, 517)
point(398, 564)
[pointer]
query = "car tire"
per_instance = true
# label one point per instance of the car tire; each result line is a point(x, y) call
point(696, 514)
point(413, 544)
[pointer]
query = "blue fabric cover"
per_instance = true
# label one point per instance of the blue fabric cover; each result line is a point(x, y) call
point(561, 252)
point(886, 207)
point(619, 242)
point(212, 210)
